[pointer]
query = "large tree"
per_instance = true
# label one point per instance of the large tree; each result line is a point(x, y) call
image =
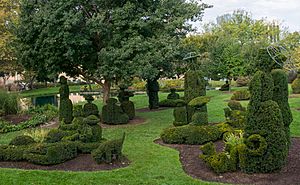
point(8, 18)
point(102, 40)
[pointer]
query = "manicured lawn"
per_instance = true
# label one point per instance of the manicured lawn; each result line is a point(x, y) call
point(151, 164)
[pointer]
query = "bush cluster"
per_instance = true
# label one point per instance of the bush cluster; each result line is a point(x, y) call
point(172, 103)
point(242, 81)
point(113, 114)
point(191, 134)
point(239, 95)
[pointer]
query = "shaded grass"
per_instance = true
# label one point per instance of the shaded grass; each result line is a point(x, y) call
point(151, 163)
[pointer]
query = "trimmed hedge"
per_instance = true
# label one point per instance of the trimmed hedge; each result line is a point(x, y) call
point(49, 154)
point(113, 114)
point(12, 152)
point(109, 150)
point(172, 103)
point(191, 134)
point(128, 108)
point(22, 140)
point(296, 85)
point(65, 104)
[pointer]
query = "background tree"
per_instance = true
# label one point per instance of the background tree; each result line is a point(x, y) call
point(103, 40)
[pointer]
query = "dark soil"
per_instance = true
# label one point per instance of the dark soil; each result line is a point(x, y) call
point(16, 118)
point(195, 167)
point(153, 110)
point(84, 162)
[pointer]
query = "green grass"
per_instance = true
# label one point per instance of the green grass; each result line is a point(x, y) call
point(151, 164)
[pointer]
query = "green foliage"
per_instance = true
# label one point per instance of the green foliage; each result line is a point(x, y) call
point(191, 134)
point(220, 162)
point(65, 104)
point(173, 95)
point(9, 103)
point(199, 101)
point(199, 118)
point(12, 152)
point(90, 109)
point(235, 105)
point(180, 116)
point(172, 103)
point(296, 86)
point(109, 150)
point(53, 153)
point(225, 87)
point(50, 111)
point(152, 91)
point(55, 135)
point(208, 149)
point(128, 108)
point(35, 121)
point(91, 120)
point(242, 81)
point(113, 114)
point(280, 95)
point(77, 111)
point(87, 148)
point(239, 95)
point(22, 140)
point(38, 135)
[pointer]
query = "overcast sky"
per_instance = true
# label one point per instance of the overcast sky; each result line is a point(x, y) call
point(285, 11)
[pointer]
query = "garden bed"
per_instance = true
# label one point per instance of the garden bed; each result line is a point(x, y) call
point(195, 167)
point(84, 162)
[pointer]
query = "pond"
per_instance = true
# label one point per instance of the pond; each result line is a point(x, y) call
point(53, 99)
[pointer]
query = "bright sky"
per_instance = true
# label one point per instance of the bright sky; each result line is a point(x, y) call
point(285, 11)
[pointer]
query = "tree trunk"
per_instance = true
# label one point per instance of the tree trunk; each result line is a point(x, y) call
point(106, 90)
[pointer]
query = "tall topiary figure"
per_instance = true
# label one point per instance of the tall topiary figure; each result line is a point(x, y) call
point(65, 104)
point(266, 147)
point(152, 91)
point(194, 86)
point(126, 105)
point(280, 96)
point(90, 108)
point(113, 114)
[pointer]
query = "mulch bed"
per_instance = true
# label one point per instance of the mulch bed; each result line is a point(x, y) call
point(195, 167)
point(84, 162)
point(16, 118)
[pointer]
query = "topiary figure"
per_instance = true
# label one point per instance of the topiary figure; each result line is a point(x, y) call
point(264, 120)
point(113, 114)
point(126, 105)
point(280, 95)
point(180, 116)
point(225, 87)
point(194, 86)
point(65, 104)
point(296, 85)
point(22, 140)
point(235, 114)
point(173, 95)
point(90, 108)
point(152, 87)
point(200, 116)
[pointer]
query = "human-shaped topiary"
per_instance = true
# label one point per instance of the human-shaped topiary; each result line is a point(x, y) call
point(65, 104)
point(296, 85)
point(90, 108)
point(173, 95)
point(264, 119)
point(280, 95)
point(225, 87)
point(152, 87)
point(126, 105)
point(113, 114)
point(200, 116)
point(194, 86)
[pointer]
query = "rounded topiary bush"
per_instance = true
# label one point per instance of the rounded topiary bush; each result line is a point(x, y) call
point(22, 140)
point(128, 108)
point(113, 114)
point(296, 85)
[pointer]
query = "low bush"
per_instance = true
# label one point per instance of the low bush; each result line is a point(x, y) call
point(9, 103)
point(242, 81)
point(35, 121)
point(191, 134)
point(87, 148)
point(22, 140)
point(12, 152)
point(55, 135)
point(49, 154)
point(109, 150)
point(239, 95)
point(38, 135)
point(171, 103)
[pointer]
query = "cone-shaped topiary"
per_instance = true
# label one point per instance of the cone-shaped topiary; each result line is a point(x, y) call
point(280, 95)
point(65, 105)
